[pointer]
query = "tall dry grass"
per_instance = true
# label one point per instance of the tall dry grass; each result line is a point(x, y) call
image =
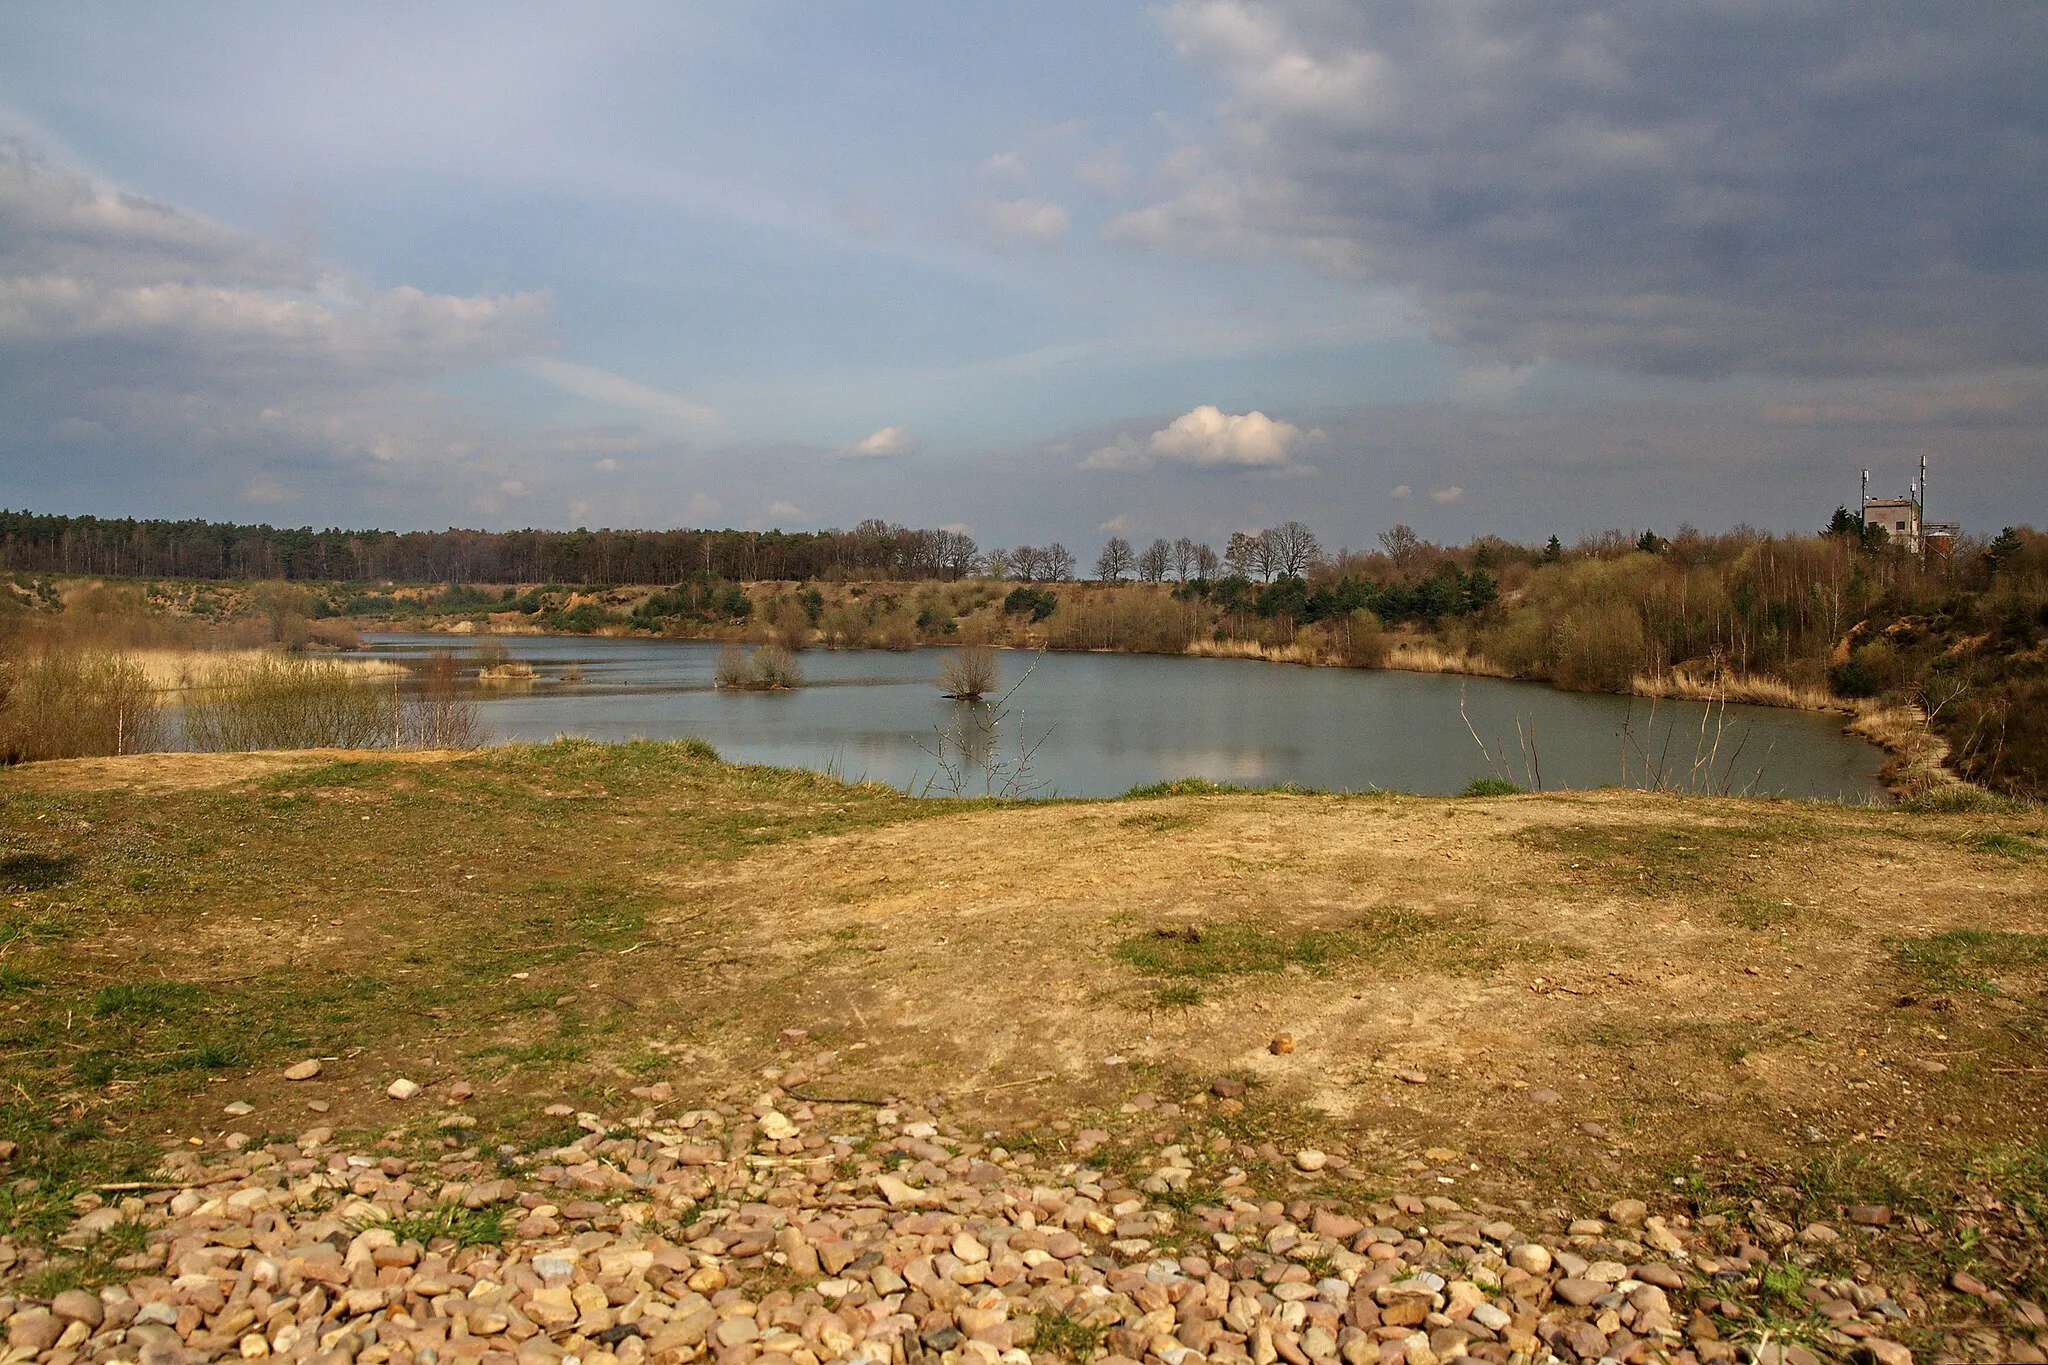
point(291, 702)
point(59, 703)
point(1749, 690)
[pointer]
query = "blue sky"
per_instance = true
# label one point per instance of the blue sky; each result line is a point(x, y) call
point(1035, 270)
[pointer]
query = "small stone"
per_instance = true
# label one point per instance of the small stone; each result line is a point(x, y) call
point(402, 1089)
point(1309, 1159)
point(254, 1347)
point(318, 1106)
point(1887, 1352)
point(77, 1305)
point(303, 1071)
point(559, 1111)
point(1870, 1215)
point(1963, 1282)
point(794, 1035)
point(1628, 1212)
point(1578, 1292)
point(1545, 1096)
point(1281, 1045)
point(460, 1091)
point(1531, 1258)
point(238, 1109)
point(1819, 1234)
point(1227, 1088)
point(777, 1126)
point(35, 1332)
point(1408, 1075)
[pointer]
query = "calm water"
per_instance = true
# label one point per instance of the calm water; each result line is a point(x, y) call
point(1103, 723)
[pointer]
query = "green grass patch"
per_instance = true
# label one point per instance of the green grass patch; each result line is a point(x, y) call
point(1969, 959)
point(1757, 912)
point(1490, 786)
point(2003, 845)
point(1066, 1337)
point(1234, 948)
point(147, 999)
point(1178, 995)
point(14, 979)
point(452, 1222)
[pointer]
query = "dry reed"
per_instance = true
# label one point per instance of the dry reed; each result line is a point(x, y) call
point(77, 704)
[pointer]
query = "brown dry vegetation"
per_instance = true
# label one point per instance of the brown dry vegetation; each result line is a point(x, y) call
point(1607, 993)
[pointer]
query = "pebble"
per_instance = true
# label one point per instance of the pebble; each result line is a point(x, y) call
point(664, 1240)
point(1282, 1044)
point(402, 1089)
point(303, 1071)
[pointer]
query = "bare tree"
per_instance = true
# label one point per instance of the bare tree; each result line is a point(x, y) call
point(1206, 562)
point(1295, 548)
point(1183, 558)
point(1114, 564)
point(1155, 561)
point(999, 564)
point(1401, 544)
point(1059, 563)
point(1242, 553)
point(958, 555)
point(1030, 562)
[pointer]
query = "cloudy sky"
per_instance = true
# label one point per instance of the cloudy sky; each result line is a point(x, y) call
point(1044, 269)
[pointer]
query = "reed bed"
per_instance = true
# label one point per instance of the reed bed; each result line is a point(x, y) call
point(179, 670)
point(288, 702)
point(1751, 691)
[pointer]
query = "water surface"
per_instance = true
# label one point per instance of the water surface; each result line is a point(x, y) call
point(1099, 724)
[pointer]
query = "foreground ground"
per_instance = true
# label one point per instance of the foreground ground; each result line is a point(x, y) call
point(1739, 1074)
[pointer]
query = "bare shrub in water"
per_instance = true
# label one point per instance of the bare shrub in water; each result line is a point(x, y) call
point(440, 715)
point(732, 667)
point(774, 666)
point(67, 704)
point(970, 673)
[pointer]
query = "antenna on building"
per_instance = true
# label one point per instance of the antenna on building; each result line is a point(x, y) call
point(1863, 509)
point(1923, 488)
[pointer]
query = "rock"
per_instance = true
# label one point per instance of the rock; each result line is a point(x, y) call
point(777, 1126)
point(1965, 1283)
point(899, 1194)
point(1578, 1292)
point(460, 1091)
point(1819, 1234)
point(1886, 1352)
point(1663, 1276)
point(1281, 1045)
point(35, 1332)
point(402, 1089)
point(239, 1109)
point(1545, 1096)
point(1408, 1075)
point(1309, 1159)
point(1870, 1215)
point(1531, 1257)
point(1228, 1088)
point(303, 1071)
point(1628, 1212)
point(76, 1305)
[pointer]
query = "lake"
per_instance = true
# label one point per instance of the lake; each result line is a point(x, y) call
point(1100, 724)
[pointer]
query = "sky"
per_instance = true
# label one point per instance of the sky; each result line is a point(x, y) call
point(1035, 271)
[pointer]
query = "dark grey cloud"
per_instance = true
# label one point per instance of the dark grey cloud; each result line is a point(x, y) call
point(1789, 187)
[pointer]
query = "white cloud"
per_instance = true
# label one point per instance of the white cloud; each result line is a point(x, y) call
point(789, 511)
point(601, 386)
point(1209, 438)
point(1447, 495)
point(512, 486)
point(1104, 171)
point(1491, 384)
point(1024, 222)
point(264, 489)
point(607, 464)
point(881, 445)
point(1400, 490)
point(1117, 524)
point(1004, 166)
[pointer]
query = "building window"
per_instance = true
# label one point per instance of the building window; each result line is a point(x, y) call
point(1902, 526)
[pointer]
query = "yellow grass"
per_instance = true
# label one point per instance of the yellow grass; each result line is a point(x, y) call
point(1422, 657)
point(178, 670)
point(1917, 753)
point(1751, 691)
